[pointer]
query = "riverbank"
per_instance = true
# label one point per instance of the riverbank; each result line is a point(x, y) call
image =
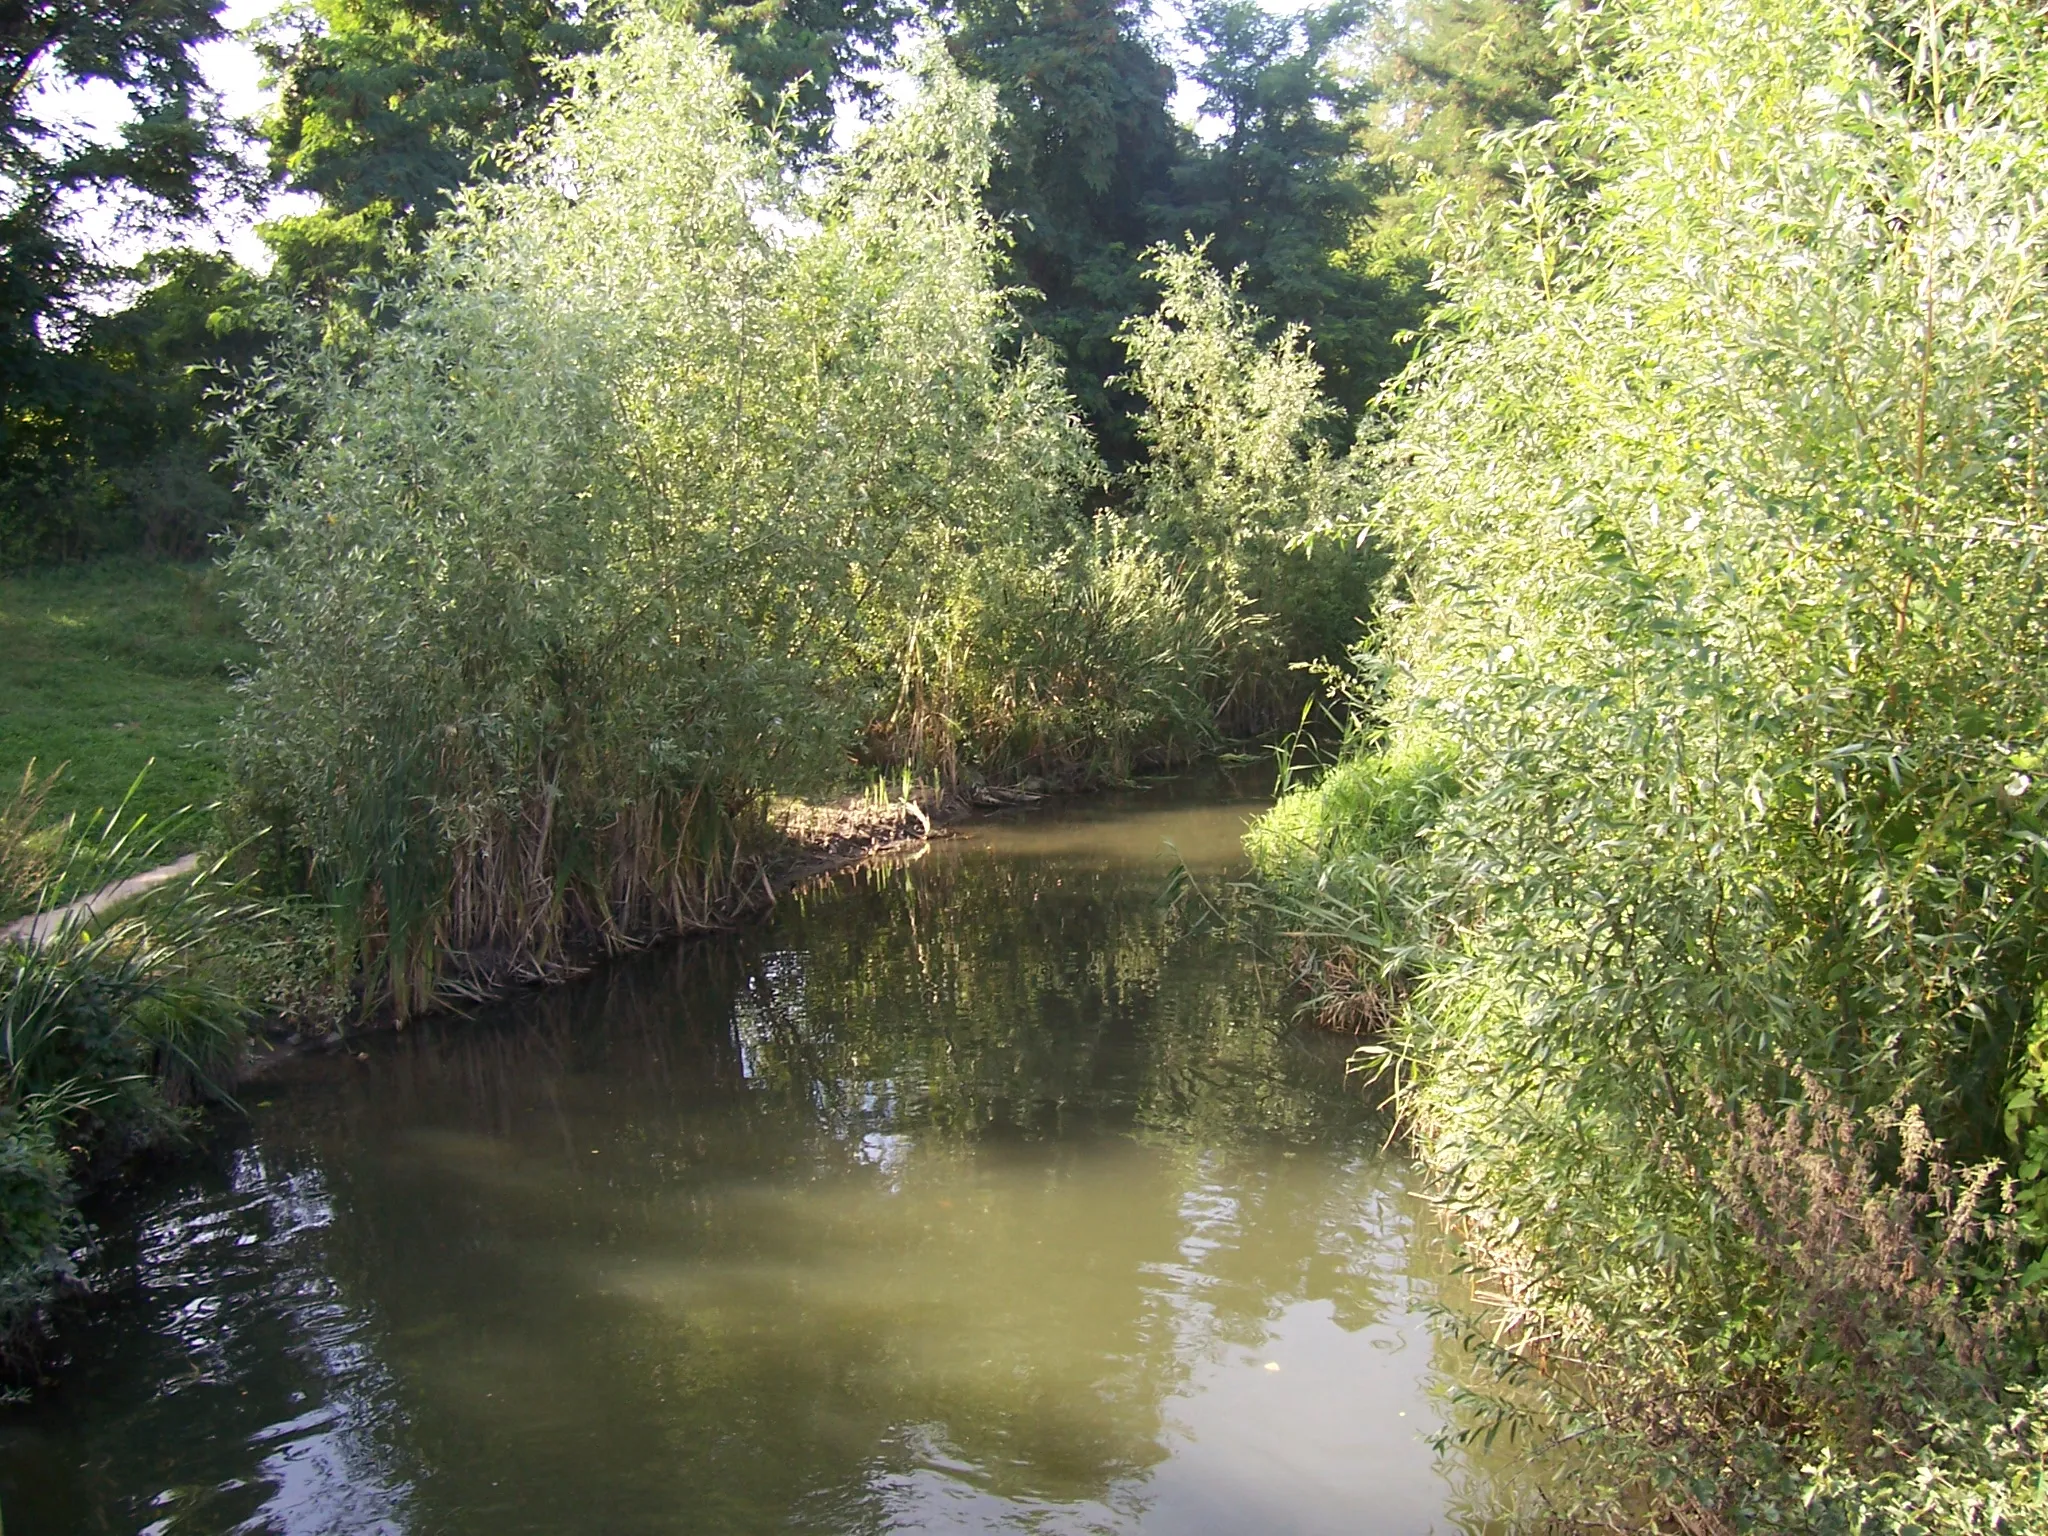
point(976, 1186)
point(810, 840)
point(256, 992)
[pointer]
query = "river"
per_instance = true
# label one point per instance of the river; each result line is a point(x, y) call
point(976, 1191)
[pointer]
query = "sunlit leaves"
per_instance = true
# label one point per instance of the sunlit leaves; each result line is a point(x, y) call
point(614, 530)
point(1720, 536)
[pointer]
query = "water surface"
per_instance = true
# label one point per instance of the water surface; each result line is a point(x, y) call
point(977, 1192)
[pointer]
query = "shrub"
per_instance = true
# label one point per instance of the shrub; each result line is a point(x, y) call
point(1238, 482)
point(623, 524)
point(1718, 524)
point(1181, 615)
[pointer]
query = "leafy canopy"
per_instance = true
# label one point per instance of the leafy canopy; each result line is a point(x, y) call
point(1083, 183)
point(158, 168)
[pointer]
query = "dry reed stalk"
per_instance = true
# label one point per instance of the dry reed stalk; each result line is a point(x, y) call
point(1343, 997)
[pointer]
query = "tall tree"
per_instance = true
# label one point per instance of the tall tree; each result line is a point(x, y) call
point(160, 360)
point(388, 106)
point(1084, 178)
point(1279, 188)
point(157, 166)
point(385, 107)
point(799, 57)
point(1453, 72)
point(1450, 80)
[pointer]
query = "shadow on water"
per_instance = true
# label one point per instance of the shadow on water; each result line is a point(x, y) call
point(972, 1193)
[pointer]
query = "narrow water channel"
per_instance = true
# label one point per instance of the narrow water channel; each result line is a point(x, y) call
point(973, 1193)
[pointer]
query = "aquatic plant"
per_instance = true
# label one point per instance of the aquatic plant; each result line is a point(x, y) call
point(1079, 665)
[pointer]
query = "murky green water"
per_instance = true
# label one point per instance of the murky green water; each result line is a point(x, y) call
point(973, 1193)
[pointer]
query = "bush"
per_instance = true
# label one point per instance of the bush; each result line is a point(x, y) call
point(1238, 483)
point(1186, 613)
point(1081, 666)
point(1718, 524)
point(623, 524)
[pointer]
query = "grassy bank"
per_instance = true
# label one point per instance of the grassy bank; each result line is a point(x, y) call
point(104, 667)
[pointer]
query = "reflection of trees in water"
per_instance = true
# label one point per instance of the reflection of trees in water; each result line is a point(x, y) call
point(972, 994)
point(971, 1160)
point(233, 1383)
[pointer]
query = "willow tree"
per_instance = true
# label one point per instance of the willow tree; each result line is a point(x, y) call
point(1719, 685)
point(612, 533)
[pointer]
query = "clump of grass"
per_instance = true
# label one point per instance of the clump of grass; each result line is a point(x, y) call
point(1081, 668)
point(1348, 869)
point(30, 846)
point(114, 1022)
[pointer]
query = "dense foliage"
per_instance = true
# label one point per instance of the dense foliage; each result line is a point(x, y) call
point(1698, 827)
point(385, 108)
point(509, 697)
point(1455, 79)
point(780, 504)
point(389, 108)
point(1083, 180)
point(1095, 171)
point(59, 488)
point(1238, 477)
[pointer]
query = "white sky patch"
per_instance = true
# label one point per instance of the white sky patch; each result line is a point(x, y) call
point(897, 83)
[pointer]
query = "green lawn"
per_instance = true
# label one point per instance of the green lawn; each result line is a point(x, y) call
point(103, 667)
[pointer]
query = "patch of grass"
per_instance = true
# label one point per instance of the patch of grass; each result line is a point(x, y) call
point(112, 1028)
point(107, 665)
